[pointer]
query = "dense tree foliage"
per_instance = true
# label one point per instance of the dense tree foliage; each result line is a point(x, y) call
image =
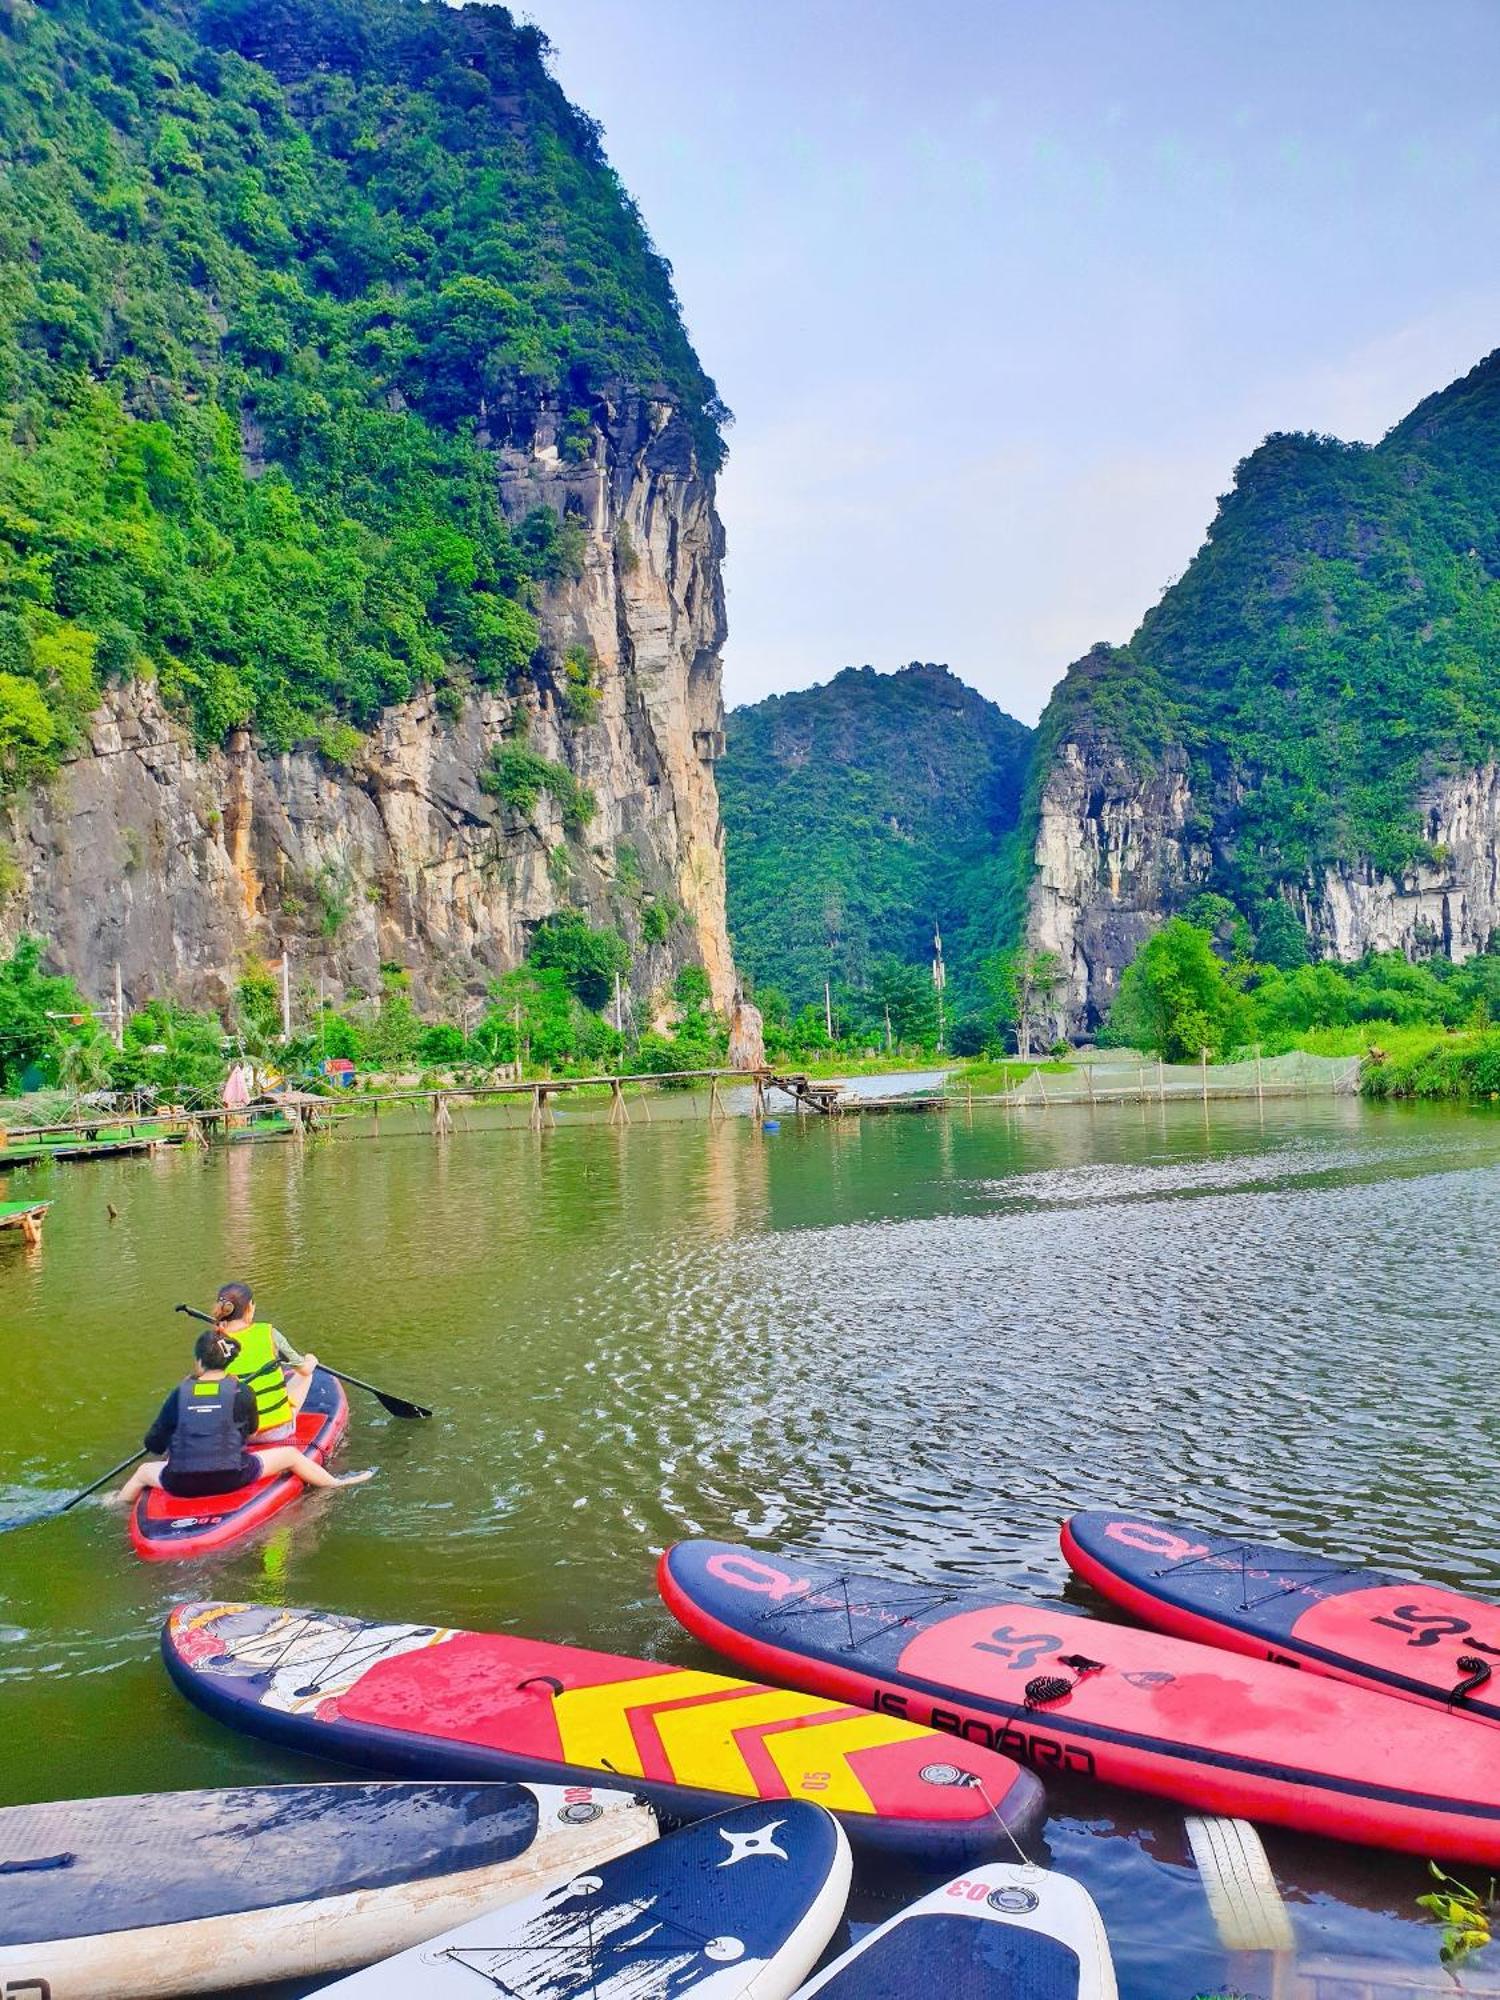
point(272, 274)
point(860, 814)
point(1332, 647)
point(1203, 982)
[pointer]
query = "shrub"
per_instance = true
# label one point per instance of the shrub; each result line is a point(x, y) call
point(588, 958)
point(518, 777)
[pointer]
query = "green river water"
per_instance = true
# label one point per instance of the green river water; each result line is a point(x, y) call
point(913, 1342)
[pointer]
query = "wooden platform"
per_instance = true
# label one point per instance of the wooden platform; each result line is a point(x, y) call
point(26, 1216)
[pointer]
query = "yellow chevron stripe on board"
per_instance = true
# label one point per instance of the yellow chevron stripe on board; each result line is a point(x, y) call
point(701, 1749)
point(828, 1746)
point(594, 1722)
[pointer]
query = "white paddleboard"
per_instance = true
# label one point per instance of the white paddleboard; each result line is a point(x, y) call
point(1003, 1932)
point(196, 1892)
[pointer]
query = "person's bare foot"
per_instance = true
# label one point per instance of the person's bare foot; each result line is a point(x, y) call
point(115, 1499)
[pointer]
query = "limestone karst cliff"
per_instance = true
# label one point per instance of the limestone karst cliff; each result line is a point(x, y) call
point(177, 862)
point(1310, 716)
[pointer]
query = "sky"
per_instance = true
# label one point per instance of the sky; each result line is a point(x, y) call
point(1001, 290)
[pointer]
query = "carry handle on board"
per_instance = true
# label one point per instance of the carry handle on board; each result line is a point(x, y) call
point(397, 1405)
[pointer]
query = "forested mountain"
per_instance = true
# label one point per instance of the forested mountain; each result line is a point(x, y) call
point(359, 561)
point(1303, 720)
point(859, 814)
point(272, 275)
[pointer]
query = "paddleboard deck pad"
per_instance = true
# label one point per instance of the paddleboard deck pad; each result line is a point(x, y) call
point(738, 1907)
point(997, 1933)
point(163, 1526)
point(195, 1892)
point(429, 1701)
point(1244, 1738)
point(1275, 1602)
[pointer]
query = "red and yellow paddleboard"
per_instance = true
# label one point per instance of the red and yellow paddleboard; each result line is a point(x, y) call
point(425, 1700)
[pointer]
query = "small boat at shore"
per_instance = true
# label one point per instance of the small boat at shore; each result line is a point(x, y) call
point(199, 1892)
point(163, 1526)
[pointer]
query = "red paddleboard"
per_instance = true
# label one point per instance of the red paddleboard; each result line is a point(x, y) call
point(162, 1526)
point(1245, 1738)
point(425, 1700)
point(1416, 1640)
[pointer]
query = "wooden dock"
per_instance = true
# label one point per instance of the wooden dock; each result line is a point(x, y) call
point(25, 1216)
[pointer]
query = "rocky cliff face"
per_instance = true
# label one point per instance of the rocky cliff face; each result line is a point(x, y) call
point(1112, 857)
point(178, 862)
point(1450, 905)
point(1116, 855)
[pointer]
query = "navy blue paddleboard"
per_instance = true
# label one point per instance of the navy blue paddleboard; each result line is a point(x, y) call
point(738, 1907)
point(1276, 1602)
point(997, 1933)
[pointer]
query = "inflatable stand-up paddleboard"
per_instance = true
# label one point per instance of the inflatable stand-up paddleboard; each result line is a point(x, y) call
point(997, 1933)
point(196, 1892)
point(162, 1526)
point(1244, 1738)
point(421, 1700)
point(739, 1907)
point(1416, 1640)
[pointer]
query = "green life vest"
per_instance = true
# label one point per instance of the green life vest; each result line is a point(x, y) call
point(258, 1365)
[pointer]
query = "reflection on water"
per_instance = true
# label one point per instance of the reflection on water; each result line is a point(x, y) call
point(909, 1341)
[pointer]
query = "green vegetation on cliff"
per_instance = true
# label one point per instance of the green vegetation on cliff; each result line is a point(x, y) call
point(859, 814)
point(272, 274)
point(1330, 649)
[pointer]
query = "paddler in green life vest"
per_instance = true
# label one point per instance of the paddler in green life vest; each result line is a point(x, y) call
point(279, 1391)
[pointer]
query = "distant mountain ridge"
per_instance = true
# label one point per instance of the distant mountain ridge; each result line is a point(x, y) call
point(859, 814)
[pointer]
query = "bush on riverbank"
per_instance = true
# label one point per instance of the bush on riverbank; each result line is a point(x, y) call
point(1197, 983)
point(1456, 1067)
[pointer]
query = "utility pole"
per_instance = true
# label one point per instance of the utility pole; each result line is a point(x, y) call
point(939, 980)
point(888, 1029)
point(286, 996)
point(619, 1008)
point(516, 1018)
point(828, 1008)
point(119, 1008)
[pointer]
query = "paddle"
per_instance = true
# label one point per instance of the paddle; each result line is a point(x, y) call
point(397, 1405)
point(62, 1506)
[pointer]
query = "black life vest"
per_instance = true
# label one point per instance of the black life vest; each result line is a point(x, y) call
point(207, 1438)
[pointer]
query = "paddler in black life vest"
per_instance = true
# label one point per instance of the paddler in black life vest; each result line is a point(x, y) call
point(279, 1391)
point(203, 1427)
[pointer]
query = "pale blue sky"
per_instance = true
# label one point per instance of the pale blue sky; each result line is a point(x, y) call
point(1000, 292)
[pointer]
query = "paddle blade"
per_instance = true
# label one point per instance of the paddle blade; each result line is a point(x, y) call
point(397, 1405)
